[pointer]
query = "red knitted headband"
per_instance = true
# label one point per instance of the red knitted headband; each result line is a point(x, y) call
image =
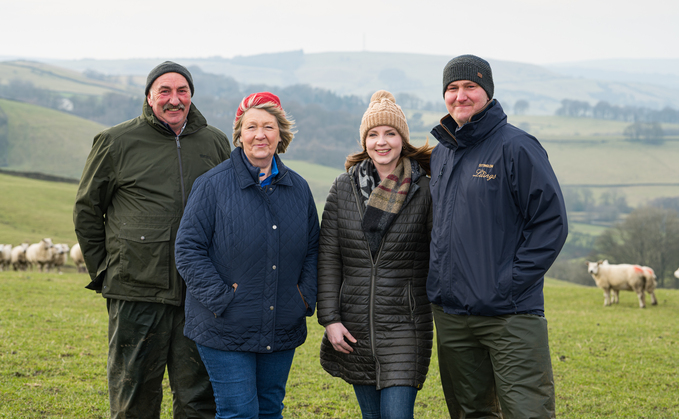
point(257, 99)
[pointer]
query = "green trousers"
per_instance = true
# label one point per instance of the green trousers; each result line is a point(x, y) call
point(144, 340)
point(495, 367)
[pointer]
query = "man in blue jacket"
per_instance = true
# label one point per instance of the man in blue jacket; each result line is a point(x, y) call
point(499, 224)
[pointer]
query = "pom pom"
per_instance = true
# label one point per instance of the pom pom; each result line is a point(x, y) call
point(382, 94)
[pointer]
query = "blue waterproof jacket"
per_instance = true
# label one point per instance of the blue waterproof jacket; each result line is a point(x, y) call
point(263, 239)
point(499, 217)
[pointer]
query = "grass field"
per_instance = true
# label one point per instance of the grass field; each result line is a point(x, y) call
point(31, 210)
point(609, 362)
point(620, 361)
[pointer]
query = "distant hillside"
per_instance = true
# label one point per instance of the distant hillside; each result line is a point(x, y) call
point(46, 141)
point(62, 79)
point(362, 73)
point(585, 152)
point(660, 72)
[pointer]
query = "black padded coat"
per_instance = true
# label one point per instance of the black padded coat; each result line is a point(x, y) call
point(382, 302)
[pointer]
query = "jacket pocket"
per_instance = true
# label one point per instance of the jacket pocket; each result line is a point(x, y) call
point(306, 305)
point(436, 177)
point(145, 256)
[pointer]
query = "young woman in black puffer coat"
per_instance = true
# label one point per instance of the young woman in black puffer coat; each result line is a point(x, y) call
point(372, 267)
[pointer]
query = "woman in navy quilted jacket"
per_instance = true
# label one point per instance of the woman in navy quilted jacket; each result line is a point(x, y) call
point(247, 249)
point(372, 267)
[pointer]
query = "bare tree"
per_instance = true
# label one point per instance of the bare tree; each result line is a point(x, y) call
point(648, 236)
point(648, 132)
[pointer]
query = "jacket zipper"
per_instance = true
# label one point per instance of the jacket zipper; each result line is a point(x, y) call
point(181, 172)
point(373, 281)
point(411, 301)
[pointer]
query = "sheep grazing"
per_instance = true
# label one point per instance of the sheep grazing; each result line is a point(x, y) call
point(40, 254)
point(623, 277)
point(78, 259)
point(59, 256)
point(5, 257)
point(19, 262)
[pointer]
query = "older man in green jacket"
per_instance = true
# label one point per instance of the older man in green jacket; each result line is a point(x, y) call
point(128, 207)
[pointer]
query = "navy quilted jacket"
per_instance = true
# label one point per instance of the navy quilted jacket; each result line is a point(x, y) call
point(263, 239)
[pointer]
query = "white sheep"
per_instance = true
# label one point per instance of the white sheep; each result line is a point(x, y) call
point(623, 277)
point(59, 256)
point(651, 283)
point(40, 254)
point(19, 257)
point(676, 274)
point(77, 257)
point(5, 256)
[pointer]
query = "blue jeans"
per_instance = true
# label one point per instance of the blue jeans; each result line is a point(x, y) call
point(389, 403)
point(248, 385)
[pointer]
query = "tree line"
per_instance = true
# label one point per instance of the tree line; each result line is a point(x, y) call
point(604, 110)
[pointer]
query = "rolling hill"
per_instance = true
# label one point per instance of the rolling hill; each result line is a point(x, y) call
point(61, 79)
point(45, 140)
point(585, 152)
point(361, 73)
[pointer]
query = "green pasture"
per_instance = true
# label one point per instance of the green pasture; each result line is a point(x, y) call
point(47, 141)
point(548, 128)
point(609, 362)
point(593, 153)
point(31, 210)
point(319, 177)
point(592, 230)
point(616, 361)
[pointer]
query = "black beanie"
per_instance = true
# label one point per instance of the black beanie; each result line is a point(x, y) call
point(472, 68)
point(168, 67)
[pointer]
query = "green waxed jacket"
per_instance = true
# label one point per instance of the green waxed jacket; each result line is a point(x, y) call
point(130, 201)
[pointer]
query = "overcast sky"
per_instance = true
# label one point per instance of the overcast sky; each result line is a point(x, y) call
point(532, 31)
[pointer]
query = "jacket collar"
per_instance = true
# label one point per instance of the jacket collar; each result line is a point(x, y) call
point(195, 121)
point(248, 175)
point(449, 134)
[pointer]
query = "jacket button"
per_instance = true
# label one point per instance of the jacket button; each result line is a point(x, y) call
point(143, 238)
point(268, 348)
point(271, 308)
point(274, 227)
point(274, 267)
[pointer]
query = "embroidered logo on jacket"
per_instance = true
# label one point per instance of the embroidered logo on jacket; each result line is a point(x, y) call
point(482, 172)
